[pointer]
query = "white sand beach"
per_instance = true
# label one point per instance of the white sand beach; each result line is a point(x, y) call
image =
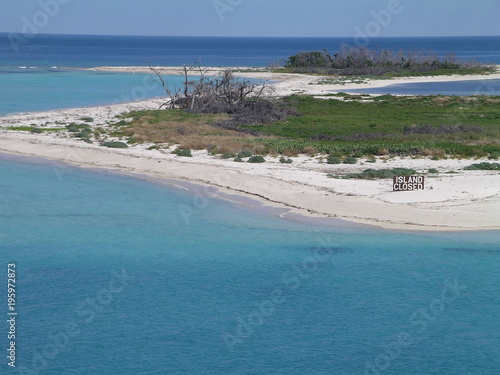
point(465, 200)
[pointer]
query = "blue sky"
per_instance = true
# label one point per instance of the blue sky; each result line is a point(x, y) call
point(328, 18)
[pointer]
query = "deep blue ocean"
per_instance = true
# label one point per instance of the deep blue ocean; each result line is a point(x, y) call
point(119, 275)
point(40, 75)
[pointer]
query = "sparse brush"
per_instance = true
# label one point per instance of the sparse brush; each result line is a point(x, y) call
point(115, 144)
point(256, 159)
point(485, 166)
point(183, 152)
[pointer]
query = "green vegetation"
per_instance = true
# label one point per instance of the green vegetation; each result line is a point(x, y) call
point(115, 145)
point(186, 152)
point(418, 125)
point(75, 128)
point(333, 160)
point(485, 166)
point(87, 119)
point(350, 160)
point(494, 155)
point(345, 126)
point(238, 160)
point(362, 61)
point(433, 171)
point(256, 159)
point(371, 174)
point(33, 129)
point(245, 154)
point(286, 161)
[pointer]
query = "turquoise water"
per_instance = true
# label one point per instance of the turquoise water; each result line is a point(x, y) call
point(28, 90)
point(118, 275)
point(30, 82)
point(475, 87)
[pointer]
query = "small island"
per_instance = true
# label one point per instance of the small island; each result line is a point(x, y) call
point(291, 136)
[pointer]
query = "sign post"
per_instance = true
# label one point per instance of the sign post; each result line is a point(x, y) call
point(408, 183)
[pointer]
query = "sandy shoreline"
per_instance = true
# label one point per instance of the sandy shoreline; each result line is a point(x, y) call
point(287, 84)
point(464, 201)
point(468, 200)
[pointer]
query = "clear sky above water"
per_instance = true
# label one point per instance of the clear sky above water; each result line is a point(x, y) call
point(312, 18)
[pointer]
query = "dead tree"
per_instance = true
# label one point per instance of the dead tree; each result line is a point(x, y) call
point(221, 94)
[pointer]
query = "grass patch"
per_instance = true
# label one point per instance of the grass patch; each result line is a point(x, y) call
point(115, 145)
point(485, 166)
point(372, 174)
point(33, 129)
point(419, 125)
point(430, 126)
point(189, 130)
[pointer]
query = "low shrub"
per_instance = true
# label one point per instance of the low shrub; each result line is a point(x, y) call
point(433, 170)
point(85, 133)
point(228, 155)
point(286, 161)
point(36, 130)
point(115, 144)
point(370, 174)
point(74, 128)
point(238, 160)
point(350, 160)
point(333, 160)
point(245, 154)
point(485, 166)
point(186, 152)
point(494, 155)
point(256, 159)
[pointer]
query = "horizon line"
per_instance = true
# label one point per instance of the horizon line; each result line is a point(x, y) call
point(263, 37)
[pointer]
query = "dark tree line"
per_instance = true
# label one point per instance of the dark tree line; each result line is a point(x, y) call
point(363, 61)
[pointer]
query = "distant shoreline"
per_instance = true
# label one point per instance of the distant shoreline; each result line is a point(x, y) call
point(306, 84)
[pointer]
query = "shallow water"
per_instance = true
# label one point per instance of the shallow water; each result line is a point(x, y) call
point(118, 275)
point(32, 90)
point(37, 76)
point(461, 88)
